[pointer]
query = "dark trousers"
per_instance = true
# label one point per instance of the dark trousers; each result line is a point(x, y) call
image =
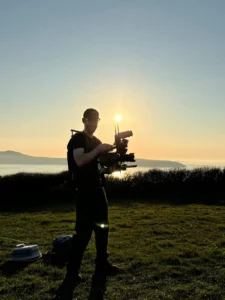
point(91, 215)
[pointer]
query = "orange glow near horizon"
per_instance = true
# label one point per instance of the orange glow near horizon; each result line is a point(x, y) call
point(151, 137)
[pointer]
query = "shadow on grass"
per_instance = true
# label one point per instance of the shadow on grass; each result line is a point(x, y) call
point(58, 207)
point(10, 268)
point(172, 200)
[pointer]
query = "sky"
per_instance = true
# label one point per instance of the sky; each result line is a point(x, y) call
point(160, 64)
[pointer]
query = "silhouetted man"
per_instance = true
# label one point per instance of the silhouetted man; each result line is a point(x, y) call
point(91, 200)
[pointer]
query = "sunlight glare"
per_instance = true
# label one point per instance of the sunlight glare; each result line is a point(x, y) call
point(117, 174)
point(118, 118)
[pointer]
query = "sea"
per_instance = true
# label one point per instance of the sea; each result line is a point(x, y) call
point(10, 169)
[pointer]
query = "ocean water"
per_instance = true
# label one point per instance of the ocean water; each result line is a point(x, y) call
point(9, 169)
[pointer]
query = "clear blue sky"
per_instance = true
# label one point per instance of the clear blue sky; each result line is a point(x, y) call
point(160, 64)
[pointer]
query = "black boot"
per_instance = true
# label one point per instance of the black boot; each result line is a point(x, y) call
point(67, 287)
point(105, 268)
point(73, 267)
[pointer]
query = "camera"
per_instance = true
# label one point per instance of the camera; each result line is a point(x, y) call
point(115, 161)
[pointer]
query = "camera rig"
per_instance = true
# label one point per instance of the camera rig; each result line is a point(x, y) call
point(116, 161)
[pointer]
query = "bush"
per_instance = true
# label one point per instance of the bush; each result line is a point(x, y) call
point(198, 185)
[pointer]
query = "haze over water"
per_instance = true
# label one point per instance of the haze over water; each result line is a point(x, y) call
point(9, 169)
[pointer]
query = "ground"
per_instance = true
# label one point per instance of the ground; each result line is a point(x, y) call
point(165, 252)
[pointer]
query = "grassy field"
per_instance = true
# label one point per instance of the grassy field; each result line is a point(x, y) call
point(165, 251)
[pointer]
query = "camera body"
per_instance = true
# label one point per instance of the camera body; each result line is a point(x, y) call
point(115, 161)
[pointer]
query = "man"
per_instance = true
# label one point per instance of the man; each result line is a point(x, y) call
point(91, 200)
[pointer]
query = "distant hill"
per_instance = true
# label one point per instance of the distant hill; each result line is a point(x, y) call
point(13, 157)
point(151, 163)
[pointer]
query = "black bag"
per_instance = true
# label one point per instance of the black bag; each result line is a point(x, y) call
point(62, 249)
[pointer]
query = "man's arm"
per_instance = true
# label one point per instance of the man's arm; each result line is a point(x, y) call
point(82, 158)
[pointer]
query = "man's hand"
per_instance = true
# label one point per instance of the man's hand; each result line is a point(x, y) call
point(102, 148)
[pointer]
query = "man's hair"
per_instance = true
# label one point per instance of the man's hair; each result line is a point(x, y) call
point(90, 112)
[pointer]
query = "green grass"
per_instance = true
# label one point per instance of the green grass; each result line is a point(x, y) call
point(166, 252)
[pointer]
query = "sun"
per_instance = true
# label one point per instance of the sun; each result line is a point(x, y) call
point(117, 174)
point(118, 118)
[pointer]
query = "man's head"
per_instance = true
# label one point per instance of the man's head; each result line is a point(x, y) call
point(90, 120)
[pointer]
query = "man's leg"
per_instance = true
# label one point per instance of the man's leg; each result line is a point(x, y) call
point(101, 228)
point(101, 241)
point(81, 240)
point(101, 225)
point(83, 229)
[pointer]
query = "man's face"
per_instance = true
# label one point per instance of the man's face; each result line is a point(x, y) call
point(91, 124)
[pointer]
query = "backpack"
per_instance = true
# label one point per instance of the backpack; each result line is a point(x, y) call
point(62, 249)
point(62, 245)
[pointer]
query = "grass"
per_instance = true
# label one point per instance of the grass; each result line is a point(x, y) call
point(166, 252)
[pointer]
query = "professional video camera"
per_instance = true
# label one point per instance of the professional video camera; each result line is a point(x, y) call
point(114, 161)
